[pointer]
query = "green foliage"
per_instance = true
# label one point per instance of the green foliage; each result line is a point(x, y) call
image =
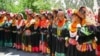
point(20, 5)
point(37, 5)
point(12, 5)
point(42, 5)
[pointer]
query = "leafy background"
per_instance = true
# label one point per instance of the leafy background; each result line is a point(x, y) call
point(37, 5)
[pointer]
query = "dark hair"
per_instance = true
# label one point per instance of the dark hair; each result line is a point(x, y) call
point(39, 17)
point(81, 10)
point(77, 16)
point(99, 15)
point(30, 15)
point(55, 11)
point(60, 10)
point(19, 15)
point(8, 16)
point(50, 14)
point(44, 15)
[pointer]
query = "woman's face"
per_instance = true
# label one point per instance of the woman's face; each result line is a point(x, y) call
point(8, 17)
point(36, 17)
point(60, 16)
point(55, 13)
point(19, 17)
point(49, 16)
point(29, 17)
point(43, 17)
point(82, 13)
point(2, 15)
point(75, 18)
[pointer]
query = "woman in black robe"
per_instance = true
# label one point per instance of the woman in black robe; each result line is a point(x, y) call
point(28, 33)
point(50, 37)
point(72, 40)
point(35, 34)
point(7, 29)
point(2, 20)
point(62, 33)
point(86, 43)
point(14, 32)
point(52, 32)
point(44, 25)
point(20, 27)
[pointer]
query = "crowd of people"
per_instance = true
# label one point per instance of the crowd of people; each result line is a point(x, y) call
point(58, 33)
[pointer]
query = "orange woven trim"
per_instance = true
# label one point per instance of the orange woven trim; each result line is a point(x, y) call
point(74, 27)
point(37, 22)
point(61, 22)
point(1, 20)
point(83, 21)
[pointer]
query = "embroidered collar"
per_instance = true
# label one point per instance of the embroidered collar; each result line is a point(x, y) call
point(19, 23)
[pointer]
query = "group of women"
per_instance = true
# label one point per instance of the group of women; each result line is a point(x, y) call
point(52, 32)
